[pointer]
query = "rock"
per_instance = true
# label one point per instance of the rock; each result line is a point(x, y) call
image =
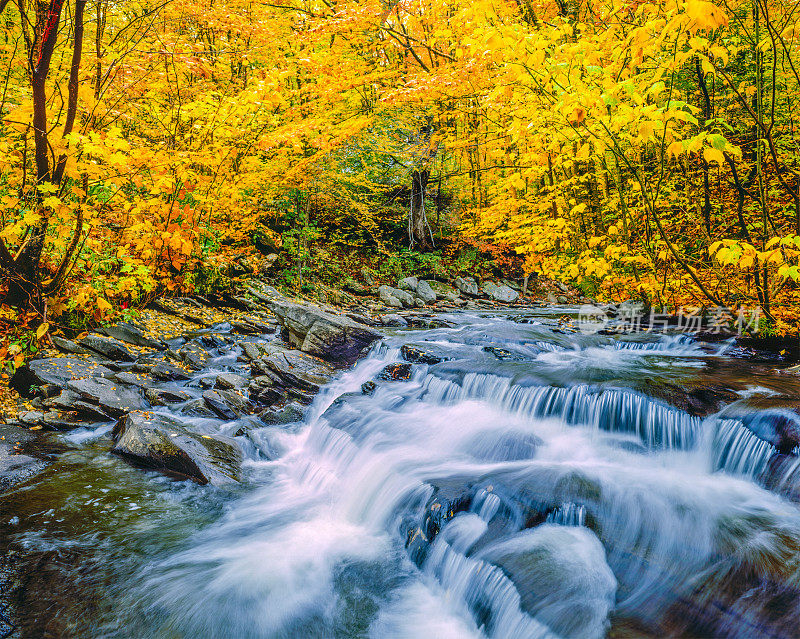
point(562, 578)
point(230, 380)
point(68, 346)
point(132, 334)
point(228, 404)
point(425, 292)
point(467, 285)
point(502, 353)
point(164, 397)
point(64, 420)
point(110, 396)
point(265, 391)
point(332, 337)
point(500, 293)
point(387, 296)
point(295, 370)
point(250, 351)
point(778, 425)
point(55, 370)
point(408, 284)
point(107, 347)
point(198, 408)
point(286, 415)
point(168, 373)
point(367, 388)
point(251, 327)
point(418, 355)
point(396, 372)
point(140, 380)
point(562, 299)
point(552, 299)
point(163, 444)
point(193, 355)
point(442, 290)
point(393, 319)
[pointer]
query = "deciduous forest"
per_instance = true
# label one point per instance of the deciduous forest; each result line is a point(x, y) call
point(635, 150)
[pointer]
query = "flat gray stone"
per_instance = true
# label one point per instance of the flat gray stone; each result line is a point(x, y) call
point(107, 347)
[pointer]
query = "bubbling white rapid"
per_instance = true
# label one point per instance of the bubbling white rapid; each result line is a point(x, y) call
point(461, 503)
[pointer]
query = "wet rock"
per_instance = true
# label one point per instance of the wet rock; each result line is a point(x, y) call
point(332, 337)
point(408, 284)
point(500, 293)
point(420, 355)
point(367, 388)
point(393, 319)
point(295, 370)
point(113, 398)
point(425, 292)
point(193, 355)
point(467, 285)
point(396, 372)
point(168, 373)
point(163, 444)
point(562, 577)
point(502, 353)
point(64, 420)
point(230, 380)
point(107, 347)
point(164, 396)
point(132, 334)
point(197, 408)
point(228, 404)
point(286, 415)
point(250, 350)
point(55, 370)
point(265, 391)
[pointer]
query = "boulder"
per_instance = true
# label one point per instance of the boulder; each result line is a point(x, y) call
point(500, 293)
point(425, 292)
point(132, 334)
point(332, 337)
point(443, 291)
point(388, 297)
point(164, 444)
point(408, 284)
point(107, 347)
point(228, 404)
point(55, 370)
point(198, 408)
point(467, 285)
point(230, 380)
point(264, 390)
point(295, 370)
point(562, 299)
point(112, 397)
point(562, 578)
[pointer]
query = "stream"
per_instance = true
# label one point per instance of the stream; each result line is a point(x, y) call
point(536, 482)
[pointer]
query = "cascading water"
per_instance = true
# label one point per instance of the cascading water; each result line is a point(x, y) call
point(504, 492)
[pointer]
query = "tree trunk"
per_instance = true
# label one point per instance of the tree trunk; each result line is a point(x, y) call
point(419, 231)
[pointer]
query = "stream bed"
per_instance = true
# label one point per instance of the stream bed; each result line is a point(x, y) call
point(514, 479)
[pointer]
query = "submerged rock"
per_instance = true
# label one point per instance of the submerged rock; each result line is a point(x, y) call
point(562, 577)
point(164, 444)
point(332, 337)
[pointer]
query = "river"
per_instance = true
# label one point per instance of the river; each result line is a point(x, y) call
point(536, 482)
